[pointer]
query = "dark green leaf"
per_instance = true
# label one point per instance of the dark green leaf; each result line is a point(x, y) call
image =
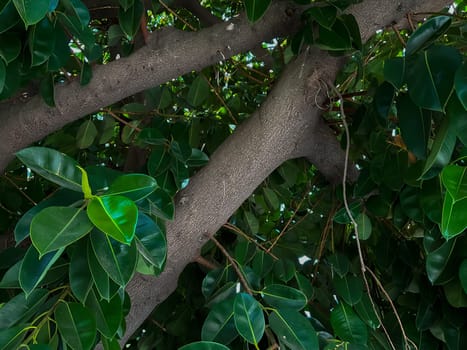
point(130, 19)
point(117, 259)
point(108, 314)
point(161, 204)
point(341, 216)
point(463, 275)
point(281, 296)
point(324, 15)
point(8, 17)
point(365, 310)
point(460, 84)
point(41, 41)
point(31, 11)
point(427, 33)
point(437, 261)
point(364, 226)
point(255, 9)
point(47, 90)
point(78, 9)
point(159, 160)
point(219, 325)
point(116, 216)
point(2, 75)
point(52, 165)
point(152, 136)
point(394, 71)
point(79, 273)
point(57, 227)
point(262, 263)
point(293, 329)
point(340, 263)
point(151, 243)
point(11, 338)
point(86, 74)
point(457, 115)
point(455, 180)
point(349, 288)
point(197, 158)
point(199, 91)
point(204, 345)
point(21, 308)
point(133, 186)
point(249, 318)
point(104, 285)
point(347, 325)
point(76, 324)
point(33, 269)
point(86, 134)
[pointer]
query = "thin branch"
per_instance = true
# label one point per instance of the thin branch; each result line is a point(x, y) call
point(19, 189)
point(163, 4)
point(221, 100)
point(234, 265)
point(206, 263)
point(123, 121)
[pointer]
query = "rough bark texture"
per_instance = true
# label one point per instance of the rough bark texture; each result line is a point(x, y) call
point(287, 126)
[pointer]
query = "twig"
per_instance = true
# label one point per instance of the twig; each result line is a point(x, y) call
point(234, 265)
point(123, 121)
point(399, 36)
point(363, 267)
point(221, 100)
point(206, 263)
point(164, 5)
point(19, 189)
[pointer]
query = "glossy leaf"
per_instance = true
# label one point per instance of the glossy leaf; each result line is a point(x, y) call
point(438, 260)
point(457, 115)
point(324, 15)
point(31, 11)
point(159, 161)
point(460, 84)
point(347, 325)
point(427, 33)
point(197, 158)
point(281, 296)
point(394, 71)
point(8, 17)
point(430, 76)
point(108, 314)
point(365, 310)
point(53, 166)
point(293, 329)
point(339, 263)
point(116, 216)
point(86, 134)
point(453, 220)
point(249, 318)
point(41, 41)
point(455, 180)
point(255, 9)
point(262, 263)
point(364, 226)
point(335, 39)
point(150, 242)
point(21, 308)
point(219, 325)
point(463, 275)
point(133, 186)
point(341, 216)
point(161, 204)
point(204, 345)
point(198, 92)
point(152, 136)
point(415, 126)
point(33, 269)
point(106, 287)
point(78, 9)
point(117, 259)
point(11, 338)
point(76, 324)
point(130, 19)
point(47, 90)
point(57, 227)
point(349, 288)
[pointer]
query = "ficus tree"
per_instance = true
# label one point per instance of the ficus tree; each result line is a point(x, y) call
point(247, 174)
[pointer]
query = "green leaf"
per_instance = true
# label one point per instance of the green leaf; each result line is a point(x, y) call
point(293, 329)
point(453, 219)
point(116, 216)
point(281, 296)
point(460, 84)
point(455, 294)
point(21, 307)
point(8, 17)
point(79, 273)
point(86, 134)
point(463, 275)
point(161, 204)
point(159, 160)
point(335, 39)
point(347, 325)
point(152, 136)
point(108, 314)
point(341, 217)
point(86, 74)
point(437, 261)
point(33, 269)
point(130, 19)
point(41, 41)
point(126, 3)
point(365, 310)
point(455, 180)
point(349, 288)
point(252, 222)
point(219, 325)
point(117, 259)
point(249, 318)
point(47, 89)
point(427, 33)
point(2, 75)
point(204, 345)
point(11, 338)
point(76, 324)
point(457, 115)
point(198, 92)
point(197, 158)
point(340, 263)
point(151, 243)
point(31, 11)
point(262, 263)
point(255, 9)
point(324, 15)
point(364, 226)
point(57, 227)
point(53, 166)
point(133, 186)
point(430, 76)
point(104, 285)
point(394, 71)
point(415, 125)
point(78, 9)
point(10, 47)
point(441, 151)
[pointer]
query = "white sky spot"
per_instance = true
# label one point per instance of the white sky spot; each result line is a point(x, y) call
point(303, 259)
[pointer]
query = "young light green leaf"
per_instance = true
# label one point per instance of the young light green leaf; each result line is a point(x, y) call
point(116, 216)
point(282, 296)
point(57, 227)
point(33, 269)
point(117, 259)
point(293, 329)
point(347, 325)
point(219, 325)
point(133, 186)
point(52, 165)
point(76, 324)
point(249, 318)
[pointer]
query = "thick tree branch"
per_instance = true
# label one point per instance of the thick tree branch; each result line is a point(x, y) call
point(169, 54)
